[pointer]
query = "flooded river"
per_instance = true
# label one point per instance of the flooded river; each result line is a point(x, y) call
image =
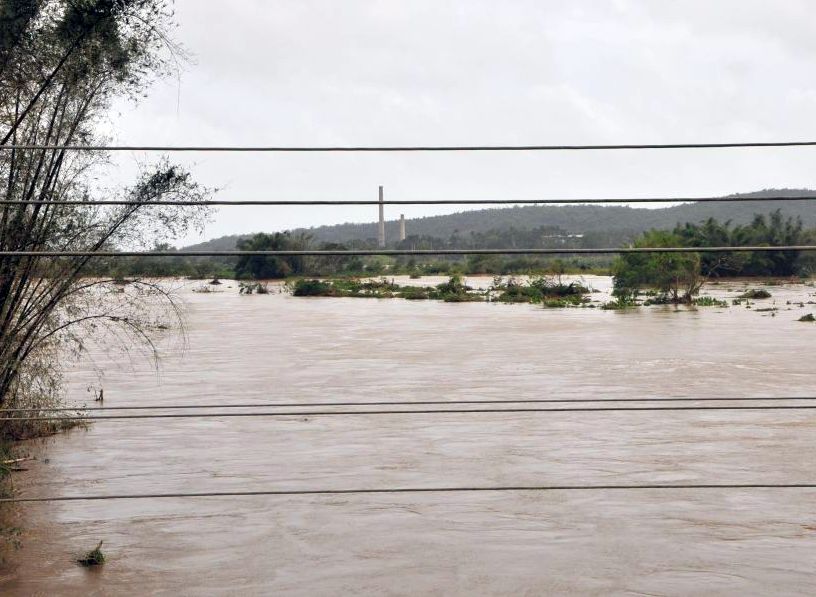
point(277, 348)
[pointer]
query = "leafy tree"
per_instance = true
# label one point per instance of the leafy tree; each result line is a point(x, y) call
point(709, 234)
point(262, 267)
point(678, 276)
point(773, 230)
point(62, 63)
point(675, 275)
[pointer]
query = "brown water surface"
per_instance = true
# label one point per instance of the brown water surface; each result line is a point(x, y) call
point(277, 348)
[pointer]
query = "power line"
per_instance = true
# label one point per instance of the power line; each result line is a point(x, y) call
point(399, 252)
point(404, 412)
point(404, 403)
point(398, 490)
point(401, 148)
point(340, 202)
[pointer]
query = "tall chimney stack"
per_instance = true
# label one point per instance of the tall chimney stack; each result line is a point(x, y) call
point(402, 227)
point(381, 231)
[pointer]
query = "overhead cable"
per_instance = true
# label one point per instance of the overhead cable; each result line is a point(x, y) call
point(414, 490)
point(340, 202)
point(331, 413)
point(405, 403)
point(403, 148)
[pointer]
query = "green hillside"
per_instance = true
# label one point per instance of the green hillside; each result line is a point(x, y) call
point(573, 219)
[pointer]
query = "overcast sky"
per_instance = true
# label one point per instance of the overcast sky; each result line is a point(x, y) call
point(367, 72)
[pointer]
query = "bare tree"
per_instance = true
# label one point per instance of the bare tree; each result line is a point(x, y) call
point(62, 63)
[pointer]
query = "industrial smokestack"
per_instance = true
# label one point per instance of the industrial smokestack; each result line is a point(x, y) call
point(381, 231)
point(402, 227)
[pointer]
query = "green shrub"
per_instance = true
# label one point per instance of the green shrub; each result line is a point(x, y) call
point(313, 288)
point(541, 289)
point(553, 287)
point(512, 292)
point(567, 301)
point(755, 294)
point(455, 291)
point(95, 557)
point(620, 303)
point(414, 293)
point(659, 299)
point(709, 301)
point(253, 288)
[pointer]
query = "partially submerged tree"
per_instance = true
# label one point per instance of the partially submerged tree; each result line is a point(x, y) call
point(260, 267)
point(676, 276)
point(679, 276)
point(62, 63)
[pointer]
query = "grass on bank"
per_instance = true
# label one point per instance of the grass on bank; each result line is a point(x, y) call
point(9, 533)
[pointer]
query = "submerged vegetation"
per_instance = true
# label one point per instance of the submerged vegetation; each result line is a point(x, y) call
point(253, 288)
point(550, 292)
point(95, 557)
point(451, 291)
point(755, 294)
point(709, 301)
point(547, 291)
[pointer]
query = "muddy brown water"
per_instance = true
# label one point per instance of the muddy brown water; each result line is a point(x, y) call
point(277, 348)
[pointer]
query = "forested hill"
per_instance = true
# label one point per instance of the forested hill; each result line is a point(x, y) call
point(574, 219)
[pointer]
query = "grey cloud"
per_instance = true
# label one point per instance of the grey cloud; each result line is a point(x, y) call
point(474, 71)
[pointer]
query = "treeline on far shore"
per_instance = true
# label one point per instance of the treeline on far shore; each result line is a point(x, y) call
point(212, 267)
point(765, 230)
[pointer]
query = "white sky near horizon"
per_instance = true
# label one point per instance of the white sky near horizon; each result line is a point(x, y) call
point(445, 72)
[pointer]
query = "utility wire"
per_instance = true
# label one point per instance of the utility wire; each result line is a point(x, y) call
point(403, 412)
point(398, 252)
point(290, 202)
point(401, 403)
point(401, 148)
point(397, 490)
